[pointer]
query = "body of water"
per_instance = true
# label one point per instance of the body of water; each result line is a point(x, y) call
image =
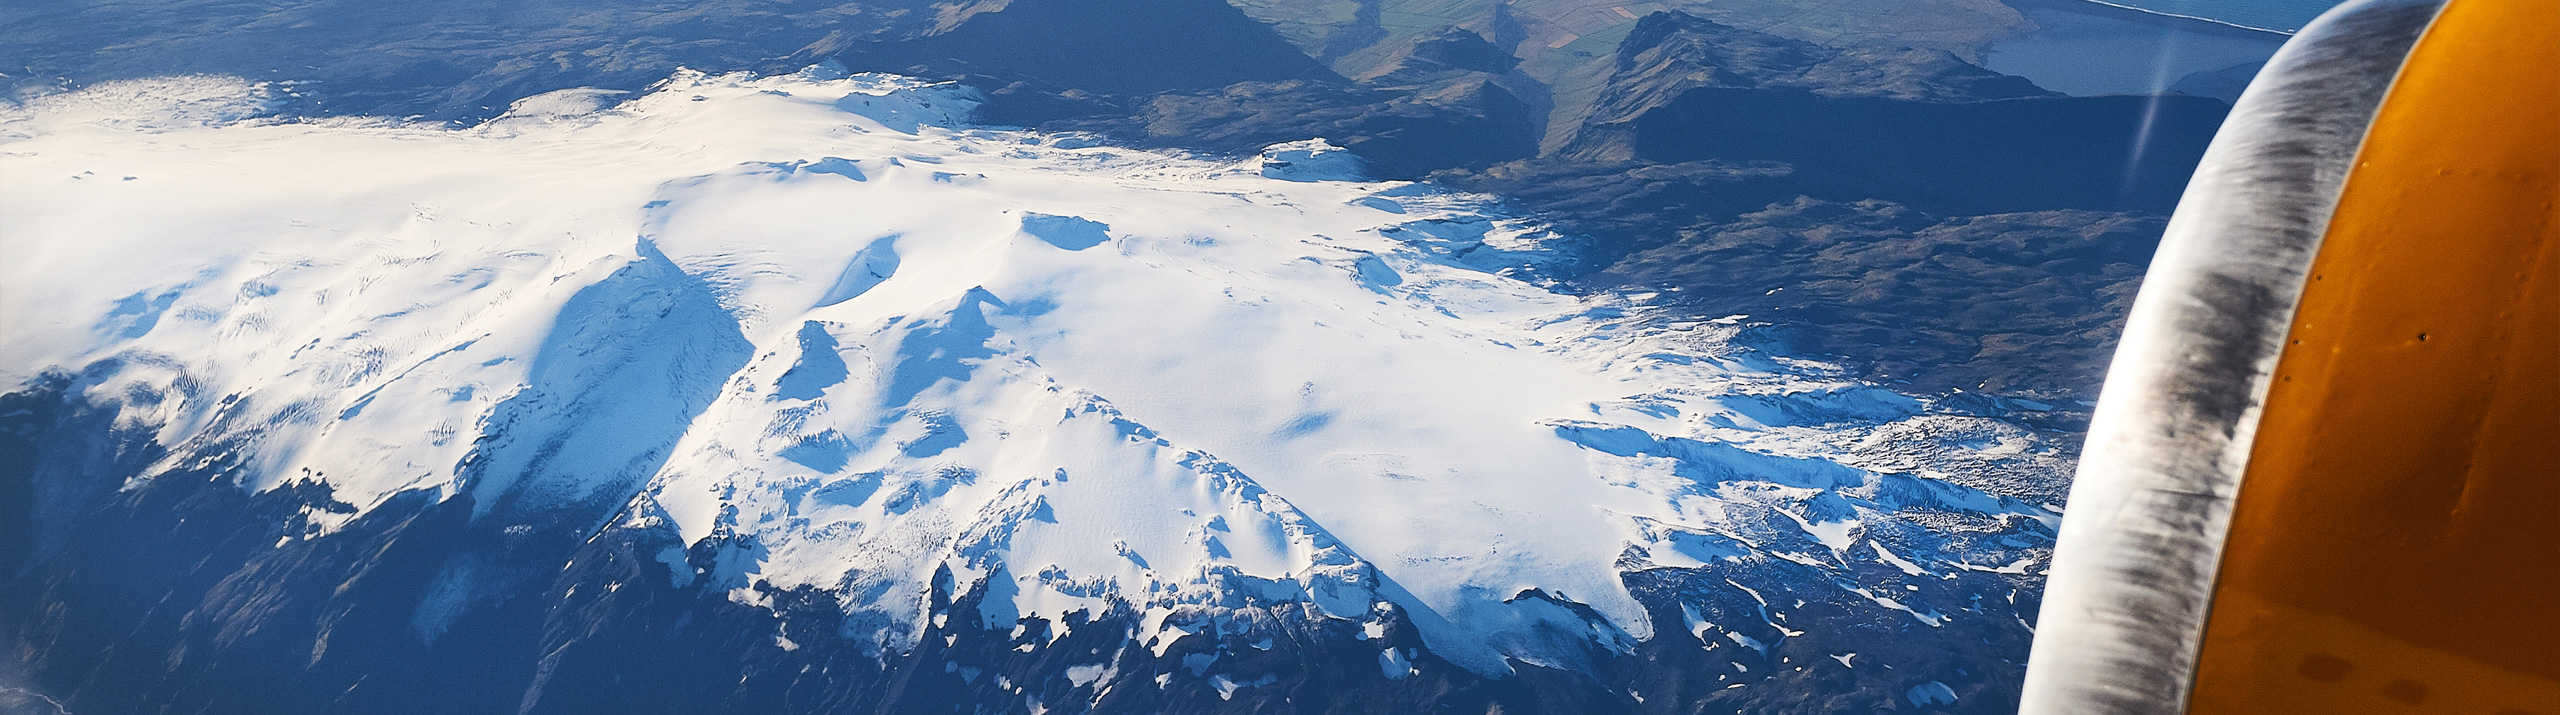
point(2280, 15)
point(2091, 48)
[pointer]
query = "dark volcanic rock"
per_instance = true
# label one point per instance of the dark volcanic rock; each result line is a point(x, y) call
point(2100, 153)
point(1463, 121)
point(1434, 54)
point(1808, 187)
point(2010, 302)
point(1912, 74)
point(2224, 84)
point(184, 592)
point(1200, 75)
point(1918, 127)
point(1111, 47)
point(1670, 53)
point(1703, 123)
point(1630, 206)
point(2026, 302)
point(189, 593)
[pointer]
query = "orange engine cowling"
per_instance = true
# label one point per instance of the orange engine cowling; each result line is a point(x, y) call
point(2324, 475)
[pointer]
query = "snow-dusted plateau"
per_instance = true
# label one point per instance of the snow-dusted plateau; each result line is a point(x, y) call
point(803, 393)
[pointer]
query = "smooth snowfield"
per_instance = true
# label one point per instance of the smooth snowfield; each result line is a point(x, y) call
point(822, 322)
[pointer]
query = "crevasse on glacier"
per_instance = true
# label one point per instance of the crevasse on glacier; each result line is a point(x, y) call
point(817, 337)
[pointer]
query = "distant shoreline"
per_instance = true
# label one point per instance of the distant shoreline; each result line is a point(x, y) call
point(2226, 23)
point(2099, 47)
point(2169, 19)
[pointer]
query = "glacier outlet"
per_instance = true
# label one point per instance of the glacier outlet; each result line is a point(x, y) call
point(917, 415)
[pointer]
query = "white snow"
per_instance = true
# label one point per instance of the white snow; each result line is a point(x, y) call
point(1319, 160)
point(2015, 567)
point(823, 315)
point(1084, 675)
point(1395, 663)
point(1227, 687)
point(1930, 693)
point(1887, 557)
point(1932, 620)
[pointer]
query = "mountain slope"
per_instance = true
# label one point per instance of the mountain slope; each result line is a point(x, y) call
point(400, 418)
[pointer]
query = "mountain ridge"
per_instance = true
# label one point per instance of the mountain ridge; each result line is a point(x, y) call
point(851, 433)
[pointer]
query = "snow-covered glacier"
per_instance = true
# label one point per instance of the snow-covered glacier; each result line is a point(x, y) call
point(902, 413)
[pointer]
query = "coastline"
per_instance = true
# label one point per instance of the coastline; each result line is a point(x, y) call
point(2190, 23)
point(2098, 47)
point(2149, 11)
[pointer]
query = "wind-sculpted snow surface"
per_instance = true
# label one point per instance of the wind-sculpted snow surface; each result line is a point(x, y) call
point(815, 335)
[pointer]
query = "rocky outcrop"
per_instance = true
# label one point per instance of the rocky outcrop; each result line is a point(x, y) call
point(1423, 57)
point(2113, 153)
point(185, 592)
point(2004, 303)
point(1670, 53)
point(1461, 121)
point(2224, 84)
point(1808, 185)
point(1095, 47)
point(2020, 302)
point(1435, 101)
point(1200, 75)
